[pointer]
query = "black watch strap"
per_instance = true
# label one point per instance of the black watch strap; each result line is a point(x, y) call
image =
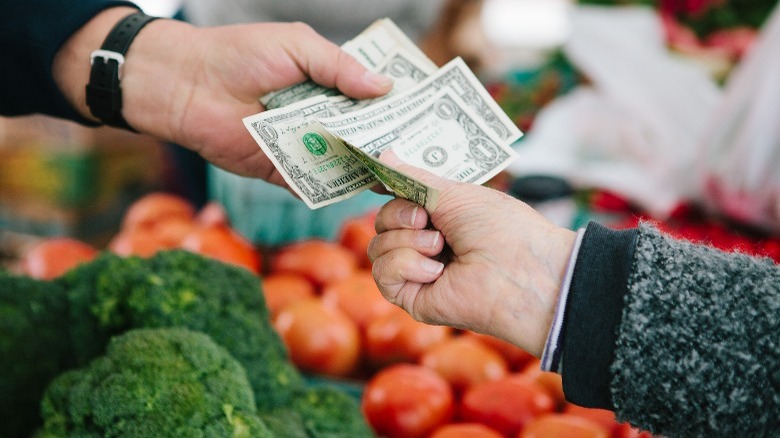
point(104, 94)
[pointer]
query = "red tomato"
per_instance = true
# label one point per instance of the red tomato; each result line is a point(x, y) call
point(172, 231)
point(137, 241)
point(320, 339)
point(224, 244)
point(505, 405)
point(551, 382)
point(355, 235)
point(397, 337)
point(359, 297)
point(464, 361)
point(563, 426)
point(153, 207)
point(465, 430)
point(51, 258)
point(407, 401)
point(281, 290)
point(320, 261)
point(515, 356)
point(603, 417)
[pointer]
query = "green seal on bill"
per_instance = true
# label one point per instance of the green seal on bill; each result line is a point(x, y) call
point(315, 143)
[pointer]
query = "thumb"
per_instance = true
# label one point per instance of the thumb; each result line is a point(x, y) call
point(346, 74)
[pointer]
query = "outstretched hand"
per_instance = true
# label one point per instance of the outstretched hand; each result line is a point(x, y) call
point(192, 86)
point(499, 274)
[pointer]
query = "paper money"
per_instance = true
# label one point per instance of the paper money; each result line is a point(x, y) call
point(444, 137)
point(315, 165)
point(326, 146)
point(454, 76)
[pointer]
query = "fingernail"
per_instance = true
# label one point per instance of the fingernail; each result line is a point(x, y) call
point(432, 266)
point(378, 80)
point(428, 238)
point(407, 215)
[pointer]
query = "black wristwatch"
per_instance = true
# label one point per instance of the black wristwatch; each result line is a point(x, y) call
point(104, 94)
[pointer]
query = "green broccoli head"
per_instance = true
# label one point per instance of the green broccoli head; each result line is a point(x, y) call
point(180, 289)
point(154, 382)
point(328, 412)
point(34, 348)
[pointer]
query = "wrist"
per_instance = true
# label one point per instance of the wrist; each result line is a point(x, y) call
point(527, 311)
point(71, 65)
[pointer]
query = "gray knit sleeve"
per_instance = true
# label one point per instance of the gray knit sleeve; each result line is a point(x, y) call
point(698, 347)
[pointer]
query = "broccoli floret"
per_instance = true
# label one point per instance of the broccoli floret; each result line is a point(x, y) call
point(328, 412)
point(34, 348)
point(154, 382)
point(180, 289)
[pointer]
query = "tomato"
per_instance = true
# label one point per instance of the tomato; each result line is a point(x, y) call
point(603, 417)
point(464, 361)
point(138, 242)
point(505, 405)
point(320, 339)
point(551, 382)
point(171, 231)
point(465, 430)
point(355, 234)
point(281, 290)
point(515, 356)
point(224, 244)
point(563, 426)
point(408, 401)
point(397, 337)
point(359, 297)
point(52, 257)
point(153, 207)
point(320, 261)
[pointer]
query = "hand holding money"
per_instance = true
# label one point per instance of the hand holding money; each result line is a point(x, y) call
point(326, 146)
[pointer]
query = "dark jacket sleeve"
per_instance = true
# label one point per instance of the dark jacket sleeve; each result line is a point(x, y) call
point(31, 32)
point(696, 347)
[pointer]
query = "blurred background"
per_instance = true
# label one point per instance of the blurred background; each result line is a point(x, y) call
point(662, 110)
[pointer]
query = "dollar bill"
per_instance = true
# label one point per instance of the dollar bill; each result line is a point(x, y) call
point(316, 166)
point(456, 77)
point(444, 137)
point(397, 182)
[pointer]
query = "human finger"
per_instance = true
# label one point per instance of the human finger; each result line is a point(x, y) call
point(400, 214)
point(426, 242)
point(400, 274)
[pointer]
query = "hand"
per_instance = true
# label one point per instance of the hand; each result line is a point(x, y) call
point(501, 272)
point(192, 86)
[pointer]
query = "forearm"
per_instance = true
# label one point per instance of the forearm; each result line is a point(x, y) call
point(31, 34)
point(695, 352)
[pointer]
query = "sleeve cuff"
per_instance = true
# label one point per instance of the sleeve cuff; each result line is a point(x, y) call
point(594, 308)
point(551, 356)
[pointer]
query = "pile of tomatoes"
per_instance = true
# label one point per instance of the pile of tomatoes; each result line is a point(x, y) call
point(418, 380)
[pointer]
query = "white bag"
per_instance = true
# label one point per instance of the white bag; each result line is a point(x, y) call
point(740, 156)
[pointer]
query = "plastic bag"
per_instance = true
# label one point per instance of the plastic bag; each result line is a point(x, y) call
point(635, 128)
point(740, 158)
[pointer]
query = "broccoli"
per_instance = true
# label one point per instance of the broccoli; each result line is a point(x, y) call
point(328, 412)
point(112, 294)
point(34, 348)
point(154, 382)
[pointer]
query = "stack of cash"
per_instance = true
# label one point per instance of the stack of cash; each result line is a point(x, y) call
point(327, 146)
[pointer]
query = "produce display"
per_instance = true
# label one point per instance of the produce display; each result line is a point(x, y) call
point(226, 338)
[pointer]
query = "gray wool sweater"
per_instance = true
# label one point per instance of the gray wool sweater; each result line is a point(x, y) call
point(679, 339)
